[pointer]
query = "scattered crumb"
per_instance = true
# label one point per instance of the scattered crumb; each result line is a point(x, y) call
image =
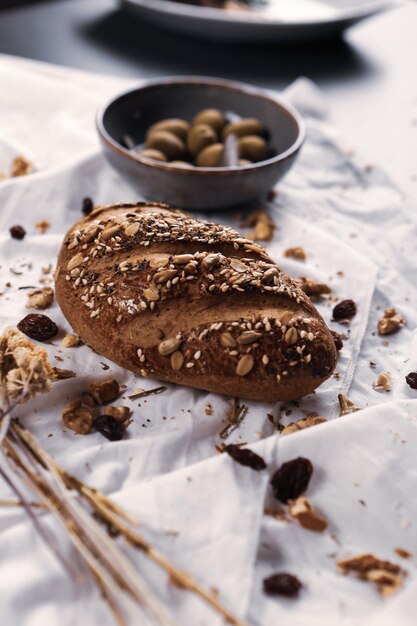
point(302, 510)
point(279, 514)
point(404, 554)
point(40, 298)
point(385, 575)
point(312, 288)
point(346, 405)
point(120, 413)
point(262, 224)
point(104, 391)
point(42, 226)
point(71, 340)
point(46, 270)
point(235, 415)
point(390, 323)
point(46, 280)
point(77, 417)
point(275, 421)
point(305, 422)
point(142, 393)
point(20, 167)
point(62, 374)
point(296, 253)
point(209, 409)
point(383, 382)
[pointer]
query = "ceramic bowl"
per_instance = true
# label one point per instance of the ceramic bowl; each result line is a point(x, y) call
point(130, 114)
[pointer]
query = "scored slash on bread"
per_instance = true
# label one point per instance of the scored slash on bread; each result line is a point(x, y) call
point(178, 299)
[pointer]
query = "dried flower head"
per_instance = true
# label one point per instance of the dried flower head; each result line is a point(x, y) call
point(25, 369)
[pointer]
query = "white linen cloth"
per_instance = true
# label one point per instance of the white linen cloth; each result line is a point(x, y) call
point(359, 238)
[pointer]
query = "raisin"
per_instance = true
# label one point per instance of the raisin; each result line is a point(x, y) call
point(246, 457)
point(38, 327)
point(411, 380)
point(344, 310)
point(291, 479)
point(87, 206)
point(109, 427)
point(338, 341)
point(282, 585)
point(17, 232)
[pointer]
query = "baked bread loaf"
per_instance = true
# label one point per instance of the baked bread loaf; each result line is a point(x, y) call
point(191, 302)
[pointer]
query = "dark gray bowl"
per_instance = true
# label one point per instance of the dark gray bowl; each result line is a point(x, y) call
point(132, 113)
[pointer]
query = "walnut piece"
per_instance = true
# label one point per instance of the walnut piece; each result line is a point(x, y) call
point(303, 511)
point(42, 226)
point(263, 226)
point(71, 340)
point(385, 575)
point(62, 374)
point(20, 167)
point(78, 417)
point(40, 298)
point(104, 391)
point(296, 253)
point(120, 413)
point(305, 422)
point(383, 382)
point(390, 323)
point(312, 288)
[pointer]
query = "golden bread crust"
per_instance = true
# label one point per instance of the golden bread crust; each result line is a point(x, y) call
point(174, 298)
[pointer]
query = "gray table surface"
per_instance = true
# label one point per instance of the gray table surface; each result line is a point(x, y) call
point(369, 76)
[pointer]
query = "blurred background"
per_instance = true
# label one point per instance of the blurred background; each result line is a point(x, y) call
point(368, 74)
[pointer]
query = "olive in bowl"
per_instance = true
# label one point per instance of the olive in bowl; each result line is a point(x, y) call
point(168, 138)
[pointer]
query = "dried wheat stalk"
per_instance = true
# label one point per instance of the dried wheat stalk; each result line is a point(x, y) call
point(114, 515)
point(24, 372)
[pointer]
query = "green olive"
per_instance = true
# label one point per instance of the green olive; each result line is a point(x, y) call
point(243, 162)
point(212, 117)
point(155, 155)
point(181, 164)
point(199, 137)
point(173, 125)
point(248, 126)
point(252, 147)
point(166, 142)
point(211, 156)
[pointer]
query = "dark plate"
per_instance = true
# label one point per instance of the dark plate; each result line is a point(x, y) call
point(290, 21)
